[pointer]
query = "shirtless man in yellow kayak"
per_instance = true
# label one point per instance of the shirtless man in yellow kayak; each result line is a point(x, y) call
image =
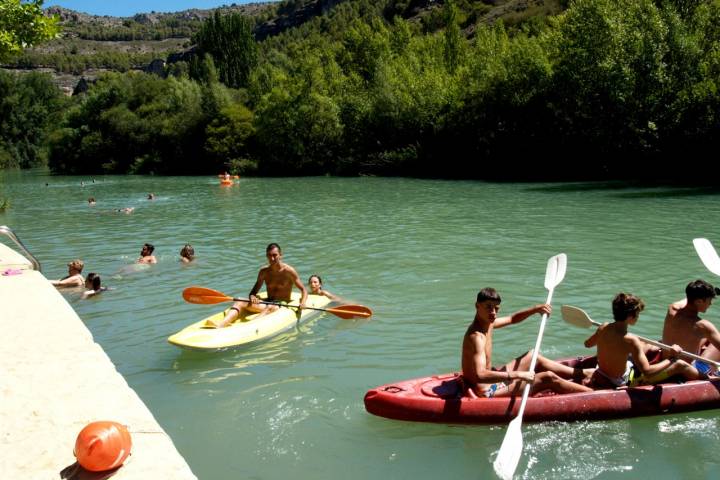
point(278, 278)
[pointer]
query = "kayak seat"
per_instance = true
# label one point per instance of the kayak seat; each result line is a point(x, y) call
point(443, 387)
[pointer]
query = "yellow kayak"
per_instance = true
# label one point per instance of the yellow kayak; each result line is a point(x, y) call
point(247, 329)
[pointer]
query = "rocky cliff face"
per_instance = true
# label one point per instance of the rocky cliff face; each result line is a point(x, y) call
point(294, 18)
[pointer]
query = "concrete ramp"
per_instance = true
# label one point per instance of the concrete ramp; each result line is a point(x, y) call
point(54, 380)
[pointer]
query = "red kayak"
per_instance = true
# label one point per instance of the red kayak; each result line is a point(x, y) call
point(439, 399)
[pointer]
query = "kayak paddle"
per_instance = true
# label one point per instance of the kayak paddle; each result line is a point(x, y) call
point(512, 445)
point(208, 296)
point(707, 254)
point(578, 317)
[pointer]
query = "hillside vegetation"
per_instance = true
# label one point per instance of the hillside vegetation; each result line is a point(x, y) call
point(458, 89)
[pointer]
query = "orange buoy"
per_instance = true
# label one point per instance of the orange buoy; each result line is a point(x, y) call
point(102, 446)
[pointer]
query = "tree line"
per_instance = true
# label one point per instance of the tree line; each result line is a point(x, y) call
point(605, 89)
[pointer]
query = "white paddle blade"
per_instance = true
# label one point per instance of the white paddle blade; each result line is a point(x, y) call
point(707, 254)
point(510, 451)
point(555, 271)
point(577, 316)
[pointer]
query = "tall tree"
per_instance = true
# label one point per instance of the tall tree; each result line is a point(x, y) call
point(453, 39)
point(230, 42)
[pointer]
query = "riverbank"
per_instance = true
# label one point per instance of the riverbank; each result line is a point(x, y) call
point(56, 379)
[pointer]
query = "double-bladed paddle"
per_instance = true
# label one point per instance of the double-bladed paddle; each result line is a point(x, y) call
point(512, 445)
point(208, 296)
point(707, 254)
point(578, 317)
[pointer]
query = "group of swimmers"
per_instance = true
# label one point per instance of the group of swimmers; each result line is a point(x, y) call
point(93, 282)
point(622, 358)
point(278, 278)
point(92, 202)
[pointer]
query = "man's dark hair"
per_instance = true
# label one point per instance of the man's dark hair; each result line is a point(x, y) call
point(625, 305)
point(488, 294)
point(700, 289)
point(273, 245)
point(150, 247)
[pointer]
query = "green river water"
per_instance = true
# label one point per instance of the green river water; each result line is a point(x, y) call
point(415, 251)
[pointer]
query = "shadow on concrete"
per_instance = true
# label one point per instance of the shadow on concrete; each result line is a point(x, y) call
point(77, 472)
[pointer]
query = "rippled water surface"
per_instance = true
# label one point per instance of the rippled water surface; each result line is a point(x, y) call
point(416, 252)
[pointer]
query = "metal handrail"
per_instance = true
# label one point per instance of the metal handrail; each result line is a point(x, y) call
point(11, 235)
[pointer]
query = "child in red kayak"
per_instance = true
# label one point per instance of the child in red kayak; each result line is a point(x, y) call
point(615, 346)
point(684, 326)
point(479, 376)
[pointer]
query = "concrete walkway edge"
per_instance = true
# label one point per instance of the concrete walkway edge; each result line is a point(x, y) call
point(54, 380)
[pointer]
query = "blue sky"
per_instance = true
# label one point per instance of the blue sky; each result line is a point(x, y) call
point(128, 8)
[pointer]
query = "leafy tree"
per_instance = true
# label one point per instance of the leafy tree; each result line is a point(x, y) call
point(23, 25)
point(453, 39)
point(612, 76)
point(229, 40)
point(227, 139)
point(366, 47)
point(29, 106)
point(133, 123)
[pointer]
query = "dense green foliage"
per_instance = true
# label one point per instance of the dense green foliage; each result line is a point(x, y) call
point(23, 25)
point(605, 89)
point(29, 106)
point(77, 64)
point(229, 40)
point(139, 123)
point(131, 29)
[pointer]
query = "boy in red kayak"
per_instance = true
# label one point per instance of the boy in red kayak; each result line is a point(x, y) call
point(615, 345)
point(278, 278)
point(481, 379)
point(684, 326)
